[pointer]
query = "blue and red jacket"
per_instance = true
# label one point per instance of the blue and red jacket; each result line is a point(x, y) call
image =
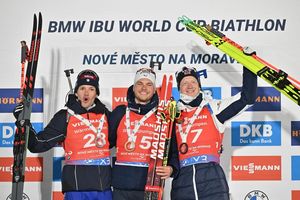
point(130, 169)
point(87, 168)
point(204, 139)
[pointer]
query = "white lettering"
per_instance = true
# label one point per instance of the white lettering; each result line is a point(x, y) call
point(7, 132)
point(256, 130)
point(251, 168)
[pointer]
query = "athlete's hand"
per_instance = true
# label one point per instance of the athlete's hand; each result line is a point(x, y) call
point(17, 110)
point(164, 171)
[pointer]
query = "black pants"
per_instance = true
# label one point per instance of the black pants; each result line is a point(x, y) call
point(205, 181)
point(127, 194)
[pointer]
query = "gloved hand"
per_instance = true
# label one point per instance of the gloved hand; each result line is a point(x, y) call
point(17, 110)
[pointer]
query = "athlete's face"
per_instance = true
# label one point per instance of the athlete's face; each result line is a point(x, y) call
point(143, 90)
point(87, 95)
point(189, 86)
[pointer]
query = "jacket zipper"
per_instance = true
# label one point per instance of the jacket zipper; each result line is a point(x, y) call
point(75, 175)
point(101, 185)
point(194, 183)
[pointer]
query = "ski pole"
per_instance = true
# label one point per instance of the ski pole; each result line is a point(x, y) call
point(68, 72)
point(155, 64)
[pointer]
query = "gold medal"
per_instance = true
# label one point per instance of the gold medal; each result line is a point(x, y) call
point(183, 148)
point(129, 146)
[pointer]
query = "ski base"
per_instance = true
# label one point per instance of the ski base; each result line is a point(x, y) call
point(23, 121)
point(248, 58)
point(159, 152)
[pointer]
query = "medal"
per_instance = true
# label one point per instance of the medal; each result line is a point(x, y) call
point(183, 148)
point(100, 141)
point(129, 146)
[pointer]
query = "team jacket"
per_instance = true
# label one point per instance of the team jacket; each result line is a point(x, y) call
point(130, 169)
point(204, 139)
point(87, 167)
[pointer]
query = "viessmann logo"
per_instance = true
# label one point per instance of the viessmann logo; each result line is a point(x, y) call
point(33, 169)
point(256, 167)
point(119, 97)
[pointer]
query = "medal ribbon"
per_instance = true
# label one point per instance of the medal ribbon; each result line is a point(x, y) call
point(90, 125)
point(184, 135)
point(132, 135)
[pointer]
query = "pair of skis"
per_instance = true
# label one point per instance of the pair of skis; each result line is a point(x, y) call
point(166, 112)
point(23, 121)
point(248, 58)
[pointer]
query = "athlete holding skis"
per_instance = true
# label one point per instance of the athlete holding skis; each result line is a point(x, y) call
point(199, 136)
point(133, 126)
point(82, 128)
